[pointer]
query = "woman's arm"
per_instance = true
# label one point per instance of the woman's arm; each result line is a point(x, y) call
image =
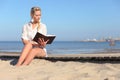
point(32, 42)
point(25, 41)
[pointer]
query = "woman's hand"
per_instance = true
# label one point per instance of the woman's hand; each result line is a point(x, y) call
point(42, 42)
point(34, 43)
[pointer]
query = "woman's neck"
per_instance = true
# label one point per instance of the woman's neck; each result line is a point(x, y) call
point(34, 24)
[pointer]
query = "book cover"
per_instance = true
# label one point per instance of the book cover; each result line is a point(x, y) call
point(45, 37)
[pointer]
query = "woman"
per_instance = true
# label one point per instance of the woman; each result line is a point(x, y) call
point(32, 49)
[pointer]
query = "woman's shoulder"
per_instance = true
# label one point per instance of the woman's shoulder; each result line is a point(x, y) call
point(27, 24)
point(42, 25)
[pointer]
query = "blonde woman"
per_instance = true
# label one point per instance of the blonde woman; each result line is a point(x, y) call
point(32, 49)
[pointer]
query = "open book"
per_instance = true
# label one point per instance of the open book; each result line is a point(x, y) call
point(45, 37)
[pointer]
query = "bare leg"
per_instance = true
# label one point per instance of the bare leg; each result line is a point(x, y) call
point(24, 53)
point(33, 53)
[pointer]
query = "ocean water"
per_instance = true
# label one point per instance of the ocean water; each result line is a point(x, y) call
point(64, 47)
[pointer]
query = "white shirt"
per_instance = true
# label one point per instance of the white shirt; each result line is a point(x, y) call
point(28, 33)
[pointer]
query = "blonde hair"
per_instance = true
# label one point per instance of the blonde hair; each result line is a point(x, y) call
point(33, 9)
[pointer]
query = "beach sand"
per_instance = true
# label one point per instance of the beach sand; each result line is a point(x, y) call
point(41, 69)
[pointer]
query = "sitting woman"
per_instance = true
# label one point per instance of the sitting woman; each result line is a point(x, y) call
point(32, 49)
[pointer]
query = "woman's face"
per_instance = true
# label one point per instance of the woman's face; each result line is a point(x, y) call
point(36, 16)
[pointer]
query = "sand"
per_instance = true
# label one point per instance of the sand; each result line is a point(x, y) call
point(41, 69)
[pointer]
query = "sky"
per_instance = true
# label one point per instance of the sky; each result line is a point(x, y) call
point(69, 20)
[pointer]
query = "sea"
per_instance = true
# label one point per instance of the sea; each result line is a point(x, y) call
point(65, 47)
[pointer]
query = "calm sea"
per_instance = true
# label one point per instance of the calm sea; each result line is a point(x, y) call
point(64, 47)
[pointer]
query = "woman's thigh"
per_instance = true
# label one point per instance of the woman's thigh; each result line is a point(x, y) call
point(38, 52)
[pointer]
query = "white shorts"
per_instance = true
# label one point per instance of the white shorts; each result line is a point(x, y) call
point(45, 52)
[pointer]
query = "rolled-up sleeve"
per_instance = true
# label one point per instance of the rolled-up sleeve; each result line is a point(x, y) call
point(24, 33)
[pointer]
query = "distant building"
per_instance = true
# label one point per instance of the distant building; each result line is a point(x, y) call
point(111, 42)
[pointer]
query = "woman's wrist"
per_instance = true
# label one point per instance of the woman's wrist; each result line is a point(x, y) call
point(33, 42)
point(42, 47)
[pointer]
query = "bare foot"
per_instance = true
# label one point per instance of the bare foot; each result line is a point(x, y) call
point(17, 65)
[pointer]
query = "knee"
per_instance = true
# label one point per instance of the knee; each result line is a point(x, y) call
point(38, 52)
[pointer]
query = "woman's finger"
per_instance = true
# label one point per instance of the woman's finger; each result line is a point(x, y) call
point(42, 42)
point(46, 41)
point(42, 39)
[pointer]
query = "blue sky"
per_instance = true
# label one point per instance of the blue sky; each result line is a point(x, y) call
point(67, 19)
